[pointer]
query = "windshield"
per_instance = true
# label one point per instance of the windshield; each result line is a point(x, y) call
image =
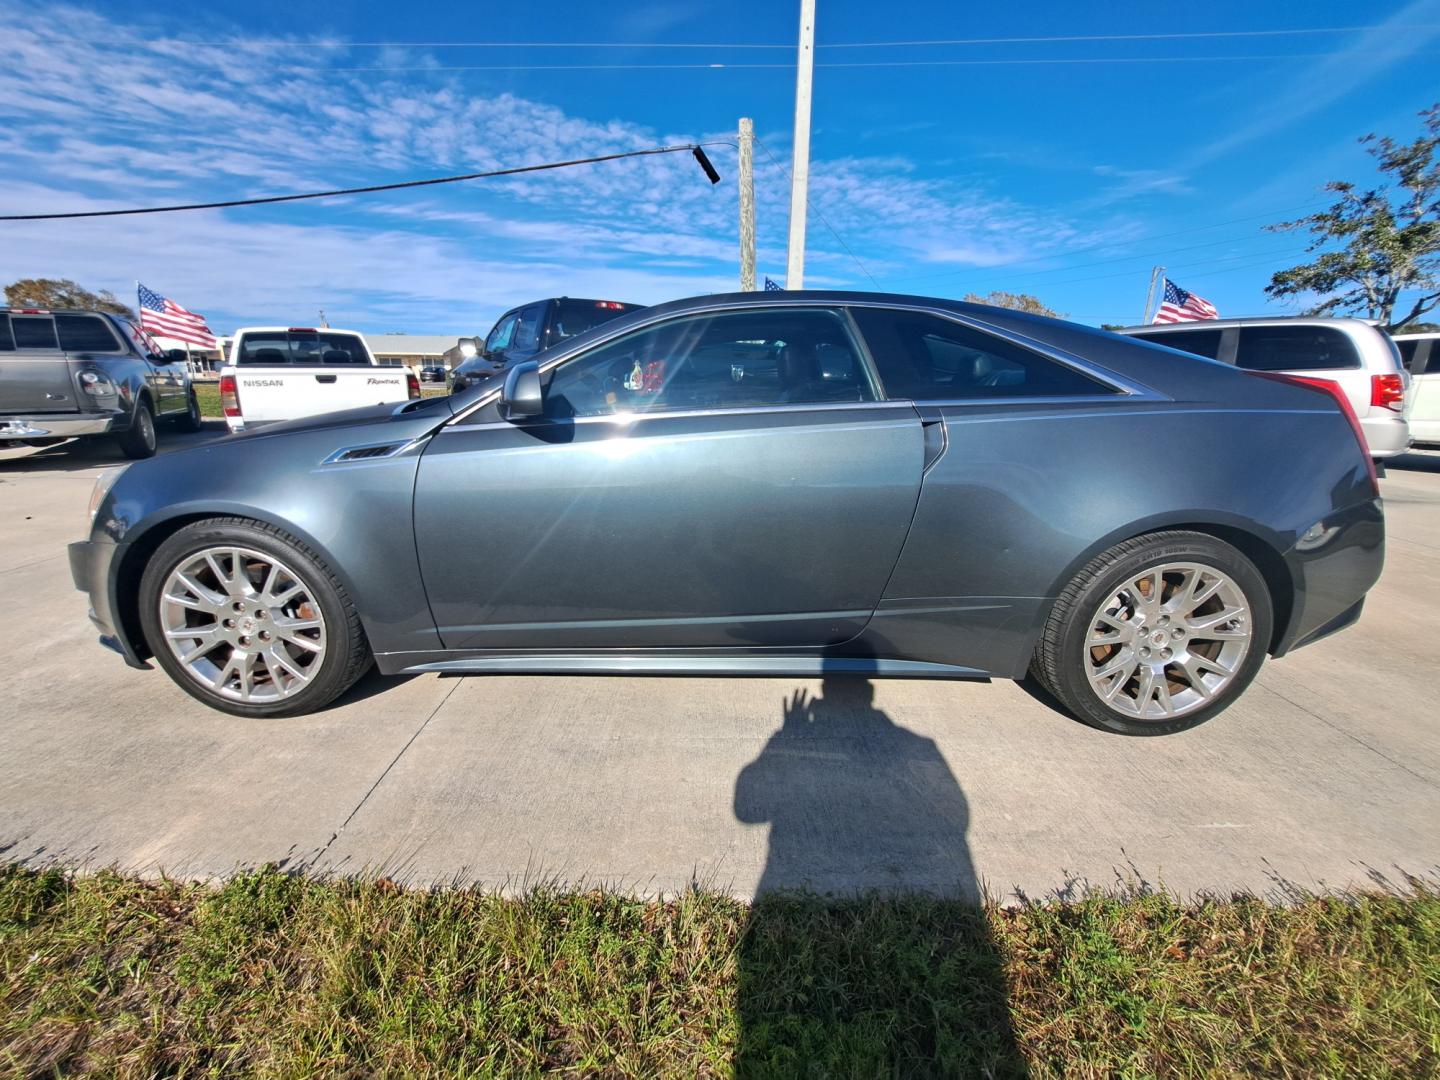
point(302, 347)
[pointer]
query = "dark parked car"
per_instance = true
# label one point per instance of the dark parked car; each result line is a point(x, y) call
point(523, 332)
point(792, 485)
point(433, 373)
point(84, 374)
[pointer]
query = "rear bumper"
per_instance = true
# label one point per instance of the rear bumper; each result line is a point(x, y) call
point(92, 567)
point(60, 426)
point(1387, 436)
point(1333, 566)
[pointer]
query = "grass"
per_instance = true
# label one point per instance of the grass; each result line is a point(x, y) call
point(279, 975)
point(208, 394)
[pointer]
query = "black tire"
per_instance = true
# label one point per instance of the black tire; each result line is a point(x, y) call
point(347, 653)
point(139, 440)
point(190, 419)
point(1060, 662)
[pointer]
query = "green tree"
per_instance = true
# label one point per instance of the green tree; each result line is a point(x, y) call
point(62, 293)
point(1374, 245)
point(1014, 301)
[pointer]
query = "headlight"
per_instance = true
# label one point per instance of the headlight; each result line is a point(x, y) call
point(103, 484)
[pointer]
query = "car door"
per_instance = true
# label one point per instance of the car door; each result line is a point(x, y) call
point(168, 379)
point(707, 481)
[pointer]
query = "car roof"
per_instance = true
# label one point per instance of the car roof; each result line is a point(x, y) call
point(286, 329)
point(58, 311)
point(1256, 320)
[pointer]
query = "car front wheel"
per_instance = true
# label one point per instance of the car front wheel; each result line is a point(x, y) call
point(249, 620)
point(1157, 635)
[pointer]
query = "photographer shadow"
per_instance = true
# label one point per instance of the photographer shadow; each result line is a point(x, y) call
point(868, 951)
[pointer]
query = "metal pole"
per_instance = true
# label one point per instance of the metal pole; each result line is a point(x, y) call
point(747, 205)
point(800, 173)
point(1155, 272)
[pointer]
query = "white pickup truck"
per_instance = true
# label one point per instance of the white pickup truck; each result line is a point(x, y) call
point(286, 372)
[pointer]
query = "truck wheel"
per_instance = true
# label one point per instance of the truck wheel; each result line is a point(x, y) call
point(138, 441)
point(246, 618)
point(190, 419)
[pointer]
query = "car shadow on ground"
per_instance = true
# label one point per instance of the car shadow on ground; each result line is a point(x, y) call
point(99, 453)
point(1415, 461)
point(832, 981)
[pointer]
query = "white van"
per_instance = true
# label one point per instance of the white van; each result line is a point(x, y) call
point(1421, 354)
point(1352, 352)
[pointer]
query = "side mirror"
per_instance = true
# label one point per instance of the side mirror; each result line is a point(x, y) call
point(521, 397)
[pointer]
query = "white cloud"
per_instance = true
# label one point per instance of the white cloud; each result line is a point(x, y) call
point(112, 115)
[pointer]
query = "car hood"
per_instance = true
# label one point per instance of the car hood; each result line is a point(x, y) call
point(422, 412)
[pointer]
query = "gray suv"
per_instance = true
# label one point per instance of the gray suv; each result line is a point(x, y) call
point(1353, 353)
point(74, 374)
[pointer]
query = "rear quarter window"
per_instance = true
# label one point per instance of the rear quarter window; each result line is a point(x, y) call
point(86, 333)
point(34, 332)
point(1295, 348)
point(7, 342)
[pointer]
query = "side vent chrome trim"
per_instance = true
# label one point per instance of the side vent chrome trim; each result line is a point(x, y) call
point(368, 452)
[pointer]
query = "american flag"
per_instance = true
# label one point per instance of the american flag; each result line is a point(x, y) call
point(166, 318)
point(1177, 305)
point(770, 286)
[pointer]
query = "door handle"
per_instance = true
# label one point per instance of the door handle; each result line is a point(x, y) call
point(325, 378)
point(935, 441)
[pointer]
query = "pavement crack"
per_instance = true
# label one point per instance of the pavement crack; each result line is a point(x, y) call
point(319, 855)
point(1350, 735)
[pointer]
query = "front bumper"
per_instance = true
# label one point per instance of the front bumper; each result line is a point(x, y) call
point(92, 566)
point(64, 426)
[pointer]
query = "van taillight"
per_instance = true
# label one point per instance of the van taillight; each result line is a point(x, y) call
point(1387, 390)
point(229, 396)
point(412, 384)
point(1334, 389)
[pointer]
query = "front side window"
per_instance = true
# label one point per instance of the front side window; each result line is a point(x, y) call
point(729, 360)
point(1295, 348)
point(500, 337)
point(85, 333)
point(1200, 342)
point(34, 332)
point(527, 329)
point(923, 357)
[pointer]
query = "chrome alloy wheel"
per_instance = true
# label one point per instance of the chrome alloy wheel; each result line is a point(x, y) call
point(1168, 641)
point(243, 624)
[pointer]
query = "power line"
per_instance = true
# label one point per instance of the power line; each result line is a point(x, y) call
point(332, 44)
point(823, 220)
point(694, 148)
point(719, 66)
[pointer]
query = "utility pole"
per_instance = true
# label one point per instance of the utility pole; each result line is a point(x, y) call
point(322, 319)
point(747, 205)
point(800, 173)
point(1155, 274)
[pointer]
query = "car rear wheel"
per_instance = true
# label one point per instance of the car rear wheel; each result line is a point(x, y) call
point(249, 620)
point(139, 440)
point(1156, 635)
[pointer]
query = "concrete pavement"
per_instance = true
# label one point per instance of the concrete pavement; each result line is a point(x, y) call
point(1326, 774)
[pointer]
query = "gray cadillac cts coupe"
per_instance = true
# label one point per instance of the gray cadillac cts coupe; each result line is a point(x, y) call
point(765, 484)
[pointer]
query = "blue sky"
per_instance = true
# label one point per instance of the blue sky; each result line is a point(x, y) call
point(1062, 168)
